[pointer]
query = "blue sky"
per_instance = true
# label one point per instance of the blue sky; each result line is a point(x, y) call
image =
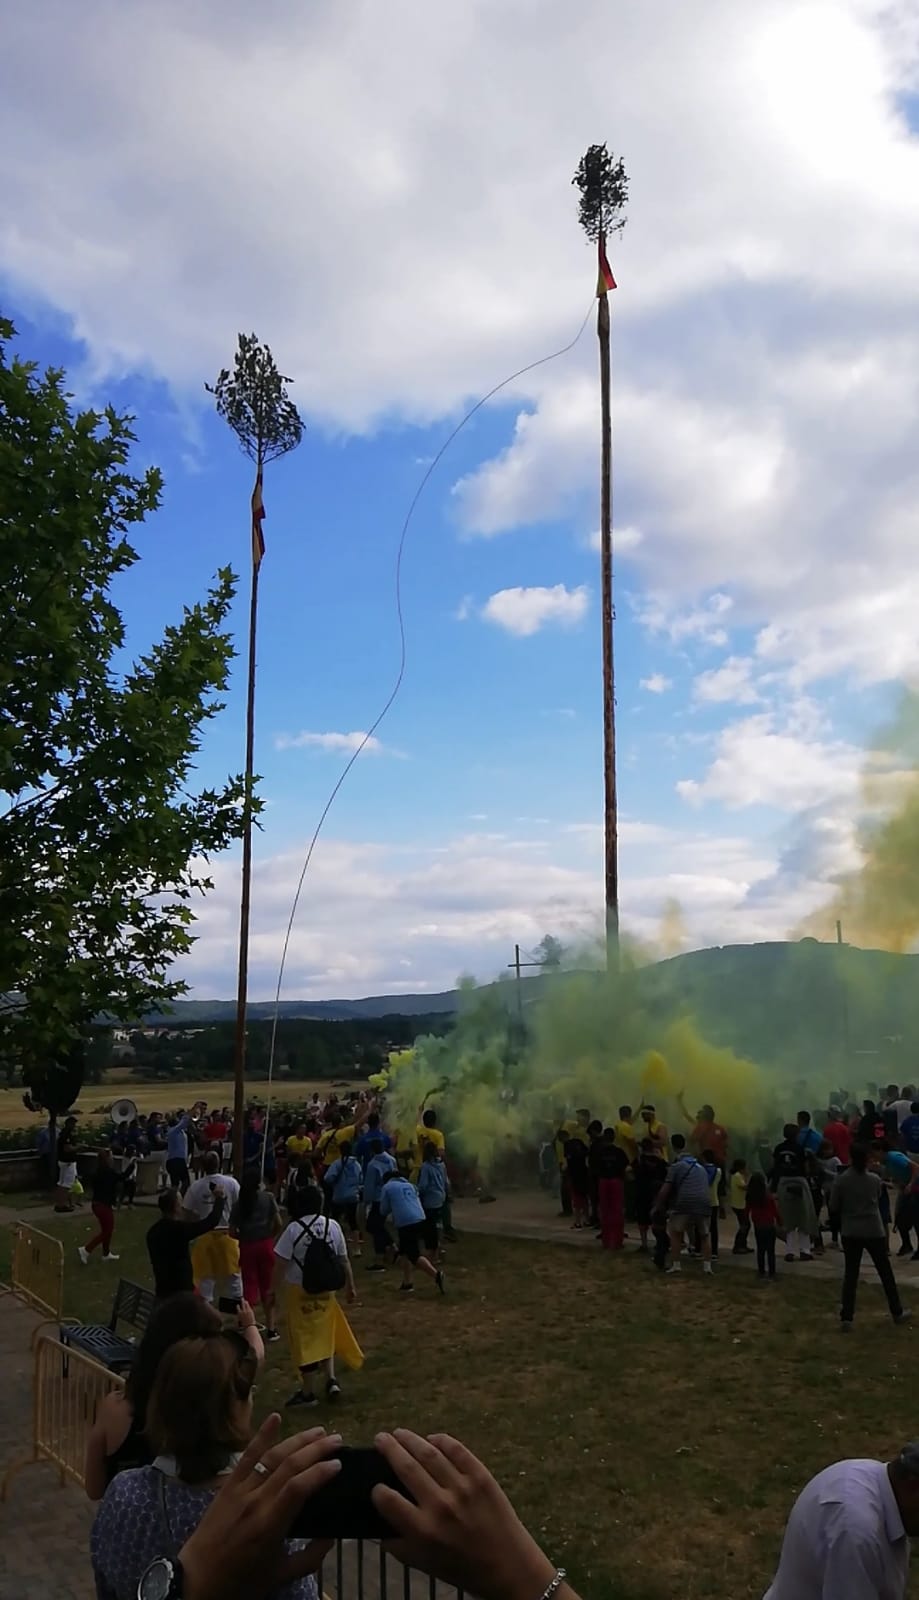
point(765, 409)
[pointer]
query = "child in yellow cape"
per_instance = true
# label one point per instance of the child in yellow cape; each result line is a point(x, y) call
point(317, 1329)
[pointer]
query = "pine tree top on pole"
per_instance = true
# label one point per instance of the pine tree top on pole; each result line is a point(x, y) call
point(604, 189)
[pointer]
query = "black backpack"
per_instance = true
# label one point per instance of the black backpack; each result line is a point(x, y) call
point(321, 1270)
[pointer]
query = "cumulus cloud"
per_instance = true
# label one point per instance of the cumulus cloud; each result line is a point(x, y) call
point(762, 763)
point(378, 919)
point(523, 611)
point(337, 743)
point(656, 683)
point(731, 683)
point(767, 450)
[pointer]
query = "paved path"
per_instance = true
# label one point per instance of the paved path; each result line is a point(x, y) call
point(44, 1529)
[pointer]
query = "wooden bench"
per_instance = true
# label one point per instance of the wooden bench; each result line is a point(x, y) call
point(103, 1343)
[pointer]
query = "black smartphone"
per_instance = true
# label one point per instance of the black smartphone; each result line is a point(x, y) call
point(343, 1509)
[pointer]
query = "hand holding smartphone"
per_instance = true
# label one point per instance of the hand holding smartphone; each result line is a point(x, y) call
point(343, 1508)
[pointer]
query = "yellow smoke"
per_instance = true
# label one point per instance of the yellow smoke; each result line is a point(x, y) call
point(878, 903)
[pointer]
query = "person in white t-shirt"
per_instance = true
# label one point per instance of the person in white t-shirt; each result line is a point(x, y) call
point(215, 1255)
point(317, 1328)
point(849, 1530)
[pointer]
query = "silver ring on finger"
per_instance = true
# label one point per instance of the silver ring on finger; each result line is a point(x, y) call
point(261, 1469)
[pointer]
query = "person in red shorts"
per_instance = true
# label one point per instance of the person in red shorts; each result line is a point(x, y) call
point(256, 1222)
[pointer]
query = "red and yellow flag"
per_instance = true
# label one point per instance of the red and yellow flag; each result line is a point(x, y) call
point(605, 279)
point(258, 517)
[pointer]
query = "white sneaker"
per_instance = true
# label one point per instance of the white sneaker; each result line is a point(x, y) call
point(83, 1255)
point(110, 1257)
point(674, 1267)
point(707, 1267)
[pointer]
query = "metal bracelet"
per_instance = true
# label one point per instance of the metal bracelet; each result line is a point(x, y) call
point(556, 1583)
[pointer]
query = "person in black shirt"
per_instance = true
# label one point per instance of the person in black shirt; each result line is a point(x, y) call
point(791, 1165)
point(578, 1179)
point(608, 1165)
point(106, 1182)
point(169, 1241)
point(650, 1176)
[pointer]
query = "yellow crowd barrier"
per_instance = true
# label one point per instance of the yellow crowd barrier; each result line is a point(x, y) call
point(68, 1389)
point(37, 1275)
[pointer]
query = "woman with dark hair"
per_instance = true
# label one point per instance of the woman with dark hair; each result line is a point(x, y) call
point(855, 1200)
point(871, 1125)
point(117, 1439)
point(66, 1166)
point(199, 1420)
point(256, 1222)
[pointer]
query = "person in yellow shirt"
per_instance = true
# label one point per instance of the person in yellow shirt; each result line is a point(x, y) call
point(737, 1198)
point(427, 1132)
point(655, 1131)
point(328, 1145)
point(298, 1142)
point(624, 1130)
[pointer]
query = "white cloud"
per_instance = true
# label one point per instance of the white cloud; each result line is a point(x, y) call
point(731, 683)
point(656, 683)
point(765, 357)
point(465, 609)
point(759, 763)
point(371, 913)
point(523, 612)
point(624, 539)
point(337, 743)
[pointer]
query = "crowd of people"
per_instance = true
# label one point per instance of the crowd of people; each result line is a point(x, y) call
point(172, 1457)
point(852, 1173)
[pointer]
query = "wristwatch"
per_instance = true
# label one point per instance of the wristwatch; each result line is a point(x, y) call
point(163, 1580)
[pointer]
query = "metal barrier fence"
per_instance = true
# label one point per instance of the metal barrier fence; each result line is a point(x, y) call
point(360, 1569)
point(37, 1275)
point(68, 1389)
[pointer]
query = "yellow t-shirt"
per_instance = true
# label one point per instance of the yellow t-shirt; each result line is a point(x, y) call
point(296, 1147)
point(625, 1138)
point(737, 1187)
point(328, 1149)
point(654, 1130)
point(425, 1136)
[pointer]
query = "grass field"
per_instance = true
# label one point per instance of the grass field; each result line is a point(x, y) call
point(154, 1096)
point(652, 1432)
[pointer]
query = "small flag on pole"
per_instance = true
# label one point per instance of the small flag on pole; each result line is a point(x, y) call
point(258, 517)
point(605, 279)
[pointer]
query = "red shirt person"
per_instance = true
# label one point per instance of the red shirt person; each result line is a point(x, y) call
point(707, 1134)
point(838, 1134)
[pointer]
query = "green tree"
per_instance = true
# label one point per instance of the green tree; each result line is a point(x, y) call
point(103, 843)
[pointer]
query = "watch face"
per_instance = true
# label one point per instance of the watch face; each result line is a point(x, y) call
point(156, 1583)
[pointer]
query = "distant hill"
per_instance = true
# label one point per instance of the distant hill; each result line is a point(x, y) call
point(800, 1005)
point(187, 1013)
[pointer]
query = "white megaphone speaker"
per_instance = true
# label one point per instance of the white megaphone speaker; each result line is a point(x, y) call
point(123, 1111)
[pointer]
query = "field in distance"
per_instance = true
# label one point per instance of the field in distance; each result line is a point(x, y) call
point(163, 1096)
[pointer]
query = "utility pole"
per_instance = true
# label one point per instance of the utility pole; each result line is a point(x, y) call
point(516, 966)
point(604, 186)
point(845, 1002)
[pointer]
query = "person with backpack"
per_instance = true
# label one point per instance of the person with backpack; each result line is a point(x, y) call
point(311, 1265)
point(400, 1201)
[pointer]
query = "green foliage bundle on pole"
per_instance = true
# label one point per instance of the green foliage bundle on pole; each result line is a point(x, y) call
point(103, 843)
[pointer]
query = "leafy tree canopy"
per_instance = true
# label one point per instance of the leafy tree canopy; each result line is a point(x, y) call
point(103, 843)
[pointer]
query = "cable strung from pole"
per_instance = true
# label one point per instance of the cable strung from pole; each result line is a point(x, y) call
point(400, 675)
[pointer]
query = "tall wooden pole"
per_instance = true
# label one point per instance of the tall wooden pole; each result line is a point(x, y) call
point(610, 804)
point(239, 1042)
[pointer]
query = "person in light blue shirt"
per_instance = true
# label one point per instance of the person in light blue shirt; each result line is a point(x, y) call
point(381, 1163)
point(433, 1188)
point(177, 1152)
point(343, 1181)
point(400, 1201)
